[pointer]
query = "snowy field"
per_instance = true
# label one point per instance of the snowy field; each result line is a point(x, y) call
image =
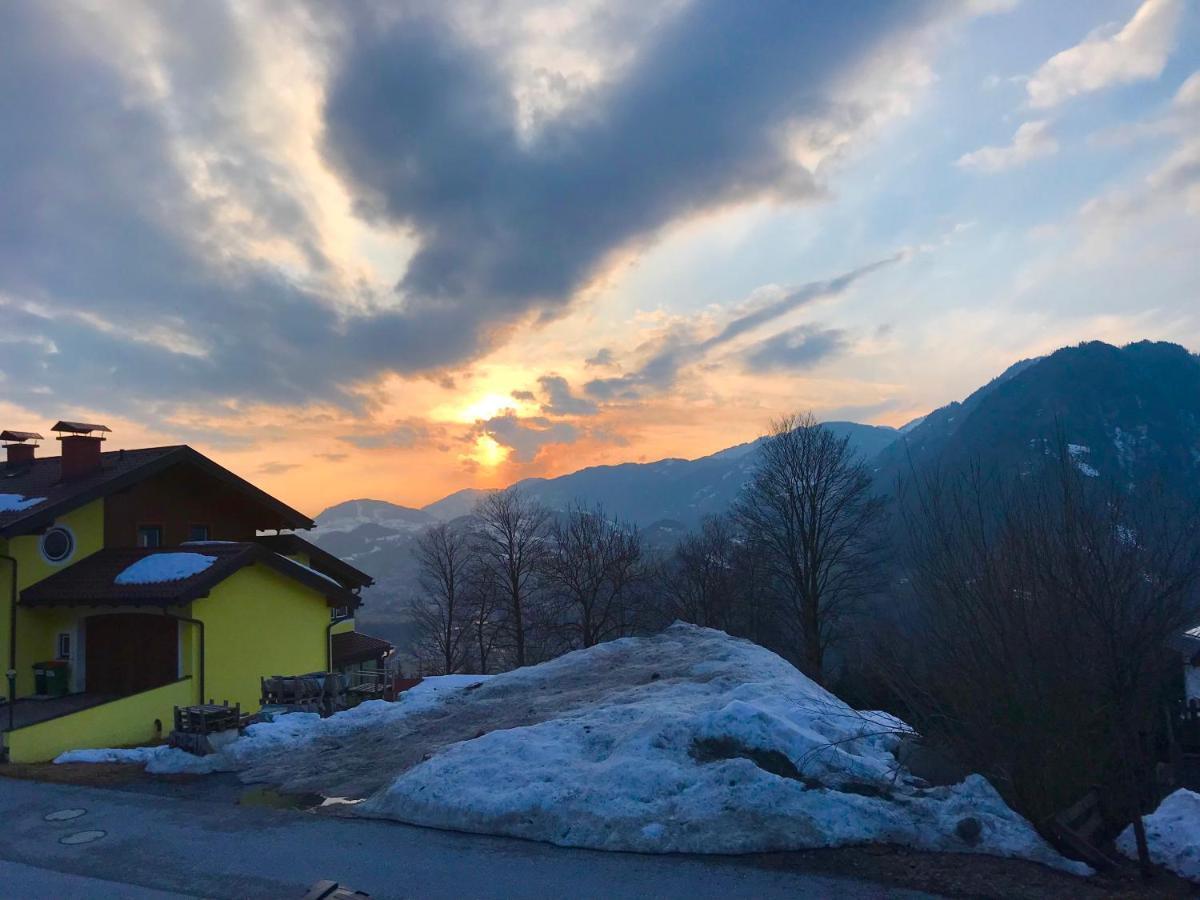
point(688, 741)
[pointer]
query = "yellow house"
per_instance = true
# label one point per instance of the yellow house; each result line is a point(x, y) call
point(135, 581)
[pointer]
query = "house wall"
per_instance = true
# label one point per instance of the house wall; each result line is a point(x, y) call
point(259, 623)
point(128, 721)
point(36, 632)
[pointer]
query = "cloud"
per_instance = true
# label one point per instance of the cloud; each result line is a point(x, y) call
point(166, 247)
point(276, 468)
point(524, 396)
point(1172, 185)
point(527, 436)
point(1031, 141)
point(680, 349)
point(403, 434)
point(602, 358)
point(1136, 52)
point(797, 348)
point(560, 401)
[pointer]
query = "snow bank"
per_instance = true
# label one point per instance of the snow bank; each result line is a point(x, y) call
point(688, 741)
point(164, 567)
point(708, 744)
point(160, 760)
point(18, 502)
point(1173, 833)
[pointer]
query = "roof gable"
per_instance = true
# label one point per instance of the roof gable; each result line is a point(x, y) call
point(37, 494)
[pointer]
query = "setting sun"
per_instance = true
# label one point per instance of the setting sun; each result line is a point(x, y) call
point(487, 452)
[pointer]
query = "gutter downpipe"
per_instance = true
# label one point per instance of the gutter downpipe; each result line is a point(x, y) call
point(329, 639)
point(12, 643)
point(200, 626)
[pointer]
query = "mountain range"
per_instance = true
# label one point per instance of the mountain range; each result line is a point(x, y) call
point(1127, 412)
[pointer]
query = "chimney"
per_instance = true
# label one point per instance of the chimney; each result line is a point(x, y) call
point(80, 448)
point(20, 453)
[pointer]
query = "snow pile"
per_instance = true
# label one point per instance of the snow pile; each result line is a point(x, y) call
point(706, 744)
point(164, 567)
point(18, 502)
point(159, 760)
point(688, 741)
point(1173, 833)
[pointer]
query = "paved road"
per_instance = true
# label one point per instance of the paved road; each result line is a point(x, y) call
point(201, 848)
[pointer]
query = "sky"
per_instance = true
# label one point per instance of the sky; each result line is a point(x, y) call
point(396, 249)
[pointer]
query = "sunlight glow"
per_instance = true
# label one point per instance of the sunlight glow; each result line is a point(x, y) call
point(487, 452)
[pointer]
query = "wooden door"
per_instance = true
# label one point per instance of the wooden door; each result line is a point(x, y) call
point(130, 652)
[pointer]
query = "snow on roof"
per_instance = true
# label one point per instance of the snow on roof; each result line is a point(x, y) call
point(18, 502)
point(310, 569)
point(164, 567)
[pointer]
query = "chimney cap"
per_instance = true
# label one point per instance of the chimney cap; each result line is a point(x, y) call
point(79, 428)
point(20, 436)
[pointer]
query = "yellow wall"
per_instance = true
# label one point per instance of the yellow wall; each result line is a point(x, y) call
point(123, 722)
point(36, 631)
point(259, 623)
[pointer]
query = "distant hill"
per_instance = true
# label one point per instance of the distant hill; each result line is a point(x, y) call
point(1129, 413)
point(353, 513)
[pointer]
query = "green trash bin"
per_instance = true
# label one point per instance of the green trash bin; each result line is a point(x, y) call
point(52, 678)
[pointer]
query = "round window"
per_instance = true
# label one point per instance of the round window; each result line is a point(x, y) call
point(57, 544)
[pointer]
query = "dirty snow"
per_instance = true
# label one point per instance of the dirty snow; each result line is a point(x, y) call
point(18, 502)
point(164, 567)
point(1173, 833)
point(688, 741)
point(159, 760)
point(1077, 451)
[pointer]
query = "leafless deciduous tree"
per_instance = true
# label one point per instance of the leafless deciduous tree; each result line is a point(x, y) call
point(811, 510)
point(511, 544)
point(441, 610)
point(699, 581)
point(593, 567)
point(483, 612)
point(1043, 606)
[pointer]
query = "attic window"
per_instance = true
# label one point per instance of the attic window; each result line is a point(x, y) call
point(149, 536)
point(57, 544)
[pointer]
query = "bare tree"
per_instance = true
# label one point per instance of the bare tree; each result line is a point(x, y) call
point(698, 581)
point(593, 566)
point(1043, 604)
point(441, 610)
point(811, 510)
point(511, 544)
point(483, 605)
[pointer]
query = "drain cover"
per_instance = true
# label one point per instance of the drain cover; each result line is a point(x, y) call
point(81, 837)
point(62, 815)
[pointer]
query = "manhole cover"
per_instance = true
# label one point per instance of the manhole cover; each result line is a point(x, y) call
point(81, 837)
point(62, 815)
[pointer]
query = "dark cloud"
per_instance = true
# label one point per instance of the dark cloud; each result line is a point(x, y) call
point(124, 289)
point(602, 357)
point(402, 434)
point(276, 468)
point(526, 437)
point(681, 349)
point(560, 401)
point(796, 348)
point(524, 396)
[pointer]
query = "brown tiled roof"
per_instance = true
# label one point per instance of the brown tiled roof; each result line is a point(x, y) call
point(119, 469)
point(353, 646)
point(321, 560)
point(92, 581)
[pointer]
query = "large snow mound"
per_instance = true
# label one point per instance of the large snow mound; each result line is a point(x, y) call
point(687, 741)
point(1173, 833)
point(164, 567)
